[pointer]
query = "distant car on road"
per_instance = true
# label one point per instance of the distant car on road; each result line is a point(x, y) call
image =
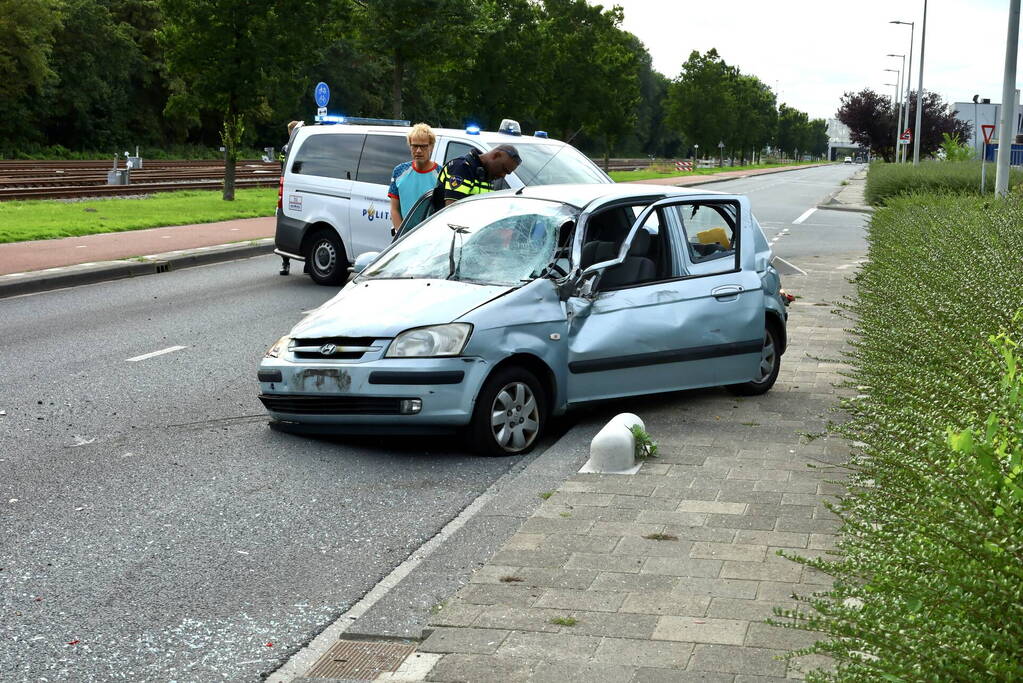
point(506, 308)
point(848, 160)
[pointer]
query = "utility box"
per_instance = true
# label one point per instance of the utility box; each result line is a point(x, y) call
point(134, 163)
point(117, 177)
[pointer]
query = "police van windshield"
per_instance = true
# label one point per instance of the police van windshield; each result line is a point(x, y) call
point(547, 164)
point(501, 241)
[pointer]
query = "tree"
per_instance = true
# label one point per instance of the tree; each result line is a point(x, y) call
point(589, 77)
point(419, 33)
point(793, 131)
point(26, 40)
point(94, 57)
point(870, 118)
point(701, 101)
point(871, 121)
point(818, 139)
point(938, 120)
point(756, 118)
point(226, 56)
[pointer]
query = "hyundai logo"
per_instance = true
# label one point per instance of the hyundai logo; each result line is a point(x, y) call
point(328, 349)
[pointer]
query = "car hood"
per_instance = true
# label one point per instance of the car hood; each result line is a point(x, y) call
point(383, 308)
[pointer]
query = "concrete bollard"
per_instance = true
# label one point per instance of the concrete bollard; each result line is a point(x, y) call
point(613, 449)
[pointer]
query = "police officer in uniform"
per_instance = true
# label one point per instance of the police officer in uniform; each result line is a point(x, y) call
point(473, 174)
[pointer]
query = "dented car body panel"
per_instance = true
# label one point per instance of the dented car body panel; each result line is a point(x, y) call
point(514, 275)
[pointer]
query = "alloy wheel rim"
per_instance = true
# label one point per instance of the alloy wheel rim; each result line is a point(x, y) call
point(767, 359)
point(515, 417)
point(324, 257)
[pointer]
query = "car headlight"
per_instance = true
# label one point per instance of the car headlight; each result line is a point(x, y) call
point(438, 340)
point(278, 348)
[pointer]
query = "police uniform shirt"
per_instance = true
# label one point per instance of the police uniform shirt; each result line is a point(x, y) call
point(408, 184)
point(461, 177)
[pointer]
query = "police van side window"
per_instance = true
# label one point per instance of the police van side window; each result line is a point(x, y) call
point(329, 156)
point(455, 150)
point(380, 155)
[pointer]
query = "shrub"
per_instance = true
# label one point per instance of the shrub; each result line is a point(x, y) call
point(886, 181)
point(929, 571)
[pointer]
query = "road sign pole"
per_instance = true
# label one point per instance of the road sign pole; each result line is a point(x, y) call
point(1005, 133)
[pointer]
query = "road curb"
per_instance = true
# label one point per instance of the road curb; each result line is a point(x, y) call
point(858, 208)
point(18, 284)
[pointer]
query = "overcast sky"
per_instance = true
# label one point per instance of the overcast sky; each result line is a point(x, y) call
point(812, 51)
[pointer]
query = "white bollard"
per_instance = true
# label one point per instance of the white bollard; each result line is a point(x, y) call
point(613, 449)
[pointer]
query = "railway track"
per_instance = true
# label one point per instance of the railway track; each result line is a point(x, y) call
point(76, 179)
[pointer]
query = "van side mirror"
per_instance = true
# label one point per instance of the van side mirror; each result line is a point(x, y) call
point(363, 260)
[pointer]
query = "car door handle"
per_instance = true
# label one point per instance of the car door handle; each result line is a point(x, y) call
point(726, 291)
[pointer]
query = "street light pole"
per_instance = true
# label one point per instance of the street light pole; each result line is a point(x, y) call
point(905, 124)
point(920, 91)
point(1005, 132)
point(898, 116)
point(904, 77)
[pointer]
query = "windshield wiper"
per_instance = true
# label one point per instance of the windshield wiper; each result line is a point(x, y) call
point(452, 266)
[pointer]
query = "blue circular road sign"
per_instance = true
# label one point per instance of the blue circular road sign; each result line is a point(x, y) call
point(322, 94)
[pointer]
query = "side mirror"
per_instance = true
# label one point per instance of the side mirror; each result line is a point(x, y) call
point(363, 260)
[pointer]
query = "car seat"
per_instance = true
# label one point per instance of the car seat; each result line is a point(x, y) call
point(636, 268)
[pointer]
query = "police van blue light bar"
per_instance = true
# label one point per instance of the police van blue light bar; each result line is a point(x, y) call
point(330, 118)
point(378, 122)
point(472, 129)
point(540, 134)
point(338, 118)
point(510, 127)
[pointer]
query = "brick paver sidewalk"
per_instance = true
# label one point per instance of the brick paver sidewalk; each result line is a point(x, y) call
point(585, 592)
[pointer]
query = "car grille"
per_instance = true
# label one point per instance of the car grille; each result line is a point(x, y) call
point(348, 348)
point(331, 405)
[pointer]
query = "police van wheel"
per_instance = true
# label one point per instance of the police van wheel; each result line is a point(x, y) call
point(326, 259)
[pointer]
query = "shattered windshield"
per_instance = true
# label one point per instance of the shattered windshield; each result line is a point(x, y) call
point(503, 240)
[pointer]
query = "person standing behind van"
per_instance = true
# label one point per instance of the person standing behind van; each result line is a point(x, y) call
point(474, 174)
point(411, 179)
point(282, 157)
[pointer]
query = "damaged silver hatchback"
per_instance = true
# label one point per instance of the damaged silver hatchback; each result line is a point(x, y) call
point(506, 308)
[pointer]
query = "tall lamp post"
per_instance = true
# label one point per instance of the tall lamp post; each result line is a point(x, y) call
point(905, 124)
point(920, 91)
point(1007, 124)
point(898, 115)
point(898, 118)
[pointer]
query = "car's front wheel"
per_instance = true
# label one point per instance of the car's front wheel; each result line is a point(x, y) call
point(510, 413)
point(767, 370)
point(326, 259)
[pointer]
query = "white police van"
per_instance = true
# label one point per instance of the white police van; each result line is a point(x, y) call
point(332, 204)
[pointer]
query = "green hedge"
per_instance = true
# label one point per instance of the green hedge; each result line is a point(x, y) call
point(886, 181)
point(929, 575)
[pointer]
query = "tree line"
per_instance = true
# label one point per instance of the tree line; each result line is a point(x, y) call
point(104, 75)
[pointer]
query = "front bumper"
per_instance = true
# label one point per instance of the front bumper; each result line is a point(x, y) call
point(380, 393)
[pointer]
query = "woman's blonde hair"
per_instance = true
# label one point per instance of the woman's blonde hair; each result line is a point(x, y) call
point(421, 129)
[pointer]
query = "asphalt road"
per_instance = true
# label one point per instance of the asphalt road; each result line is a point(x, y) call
point(153, 528)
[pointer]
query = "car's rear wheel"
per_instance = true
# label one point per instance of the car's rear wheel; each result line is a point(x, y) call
point(510, 413)
point(326, 259)
point(767, 370)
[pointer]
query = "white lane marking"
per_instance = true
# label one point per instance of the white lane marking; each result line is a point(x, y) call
point(169, 349)
point(789, 264)
point(81, 246)
point(165, 237)
point(806, 214)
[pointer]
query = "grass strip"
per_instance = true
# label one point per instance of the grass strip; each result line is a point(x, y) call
point(665, 171)
point(51, 219)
